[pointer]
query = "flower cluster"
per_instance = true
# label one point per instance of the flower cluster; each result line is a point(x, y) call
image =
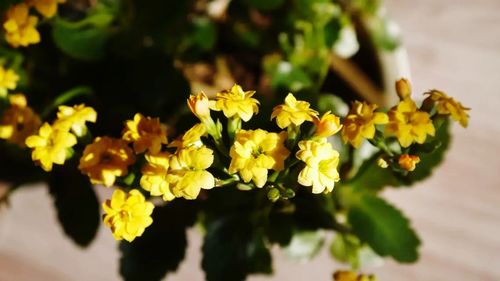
point(20, 26)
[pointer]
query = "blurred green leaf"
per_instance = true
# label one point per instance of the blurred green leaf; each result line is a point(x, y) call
point(305, 245)
point(286, 76)
point(345, 248)
point(384, 228)
point(76, 204)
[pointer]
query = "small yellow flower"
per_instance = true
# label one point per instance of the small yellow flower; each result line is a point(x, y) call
point(18, 123)
point(382, 163)
point(50, 146)
point(199, 105)
point(20, 26)
point(18, 100)
point(74, 118)
point(352, 276)
point(47, 8)
point(105, 159)
point(256, 151)
point(408, 162)
point(236, 103)
point(154, 175)
point(191, 138)
point(409, 124)
point(449, 106)
point(8, 80)
point(328, 125)
point(293, 112)
point(321, 161)
point(146, 133)
point(187, 174)
point(403, 88)
point(360, 123)
point(127, 215)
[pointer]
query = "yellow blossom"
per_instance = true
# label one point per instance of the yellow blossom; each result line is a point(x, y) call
point(8, 80)
point(293, 112)
point(146, 133)
point(382, 163)
point(328, 125)
point(408, 162)
point(187, 174)
point(236, 103)
point(17, 123)
point(449, 106)
point(192, 137)
point(47, 8)
point(50, 146)
point(403, 88)
point(409, 124)
point(105, 159)
point(360, 123)
point(256, 151)
point(74, 118)
point(321, 161)
point(352, 276)
point(20, 26)
point(154, 175)
point(18, 100)
point(127, 215)
point(199, 105)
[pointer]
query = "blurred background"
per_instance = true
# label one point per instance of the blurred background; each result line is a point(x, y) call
point(453, 45)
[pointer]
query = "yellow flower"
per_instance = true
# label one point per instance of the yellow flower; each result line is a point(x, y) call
point(127, 215)
point(187, 174)
point(105, 159)
point(403, 88)
point(408, 162)
point(449, 106)
point(191, 138)
point(20, 26)
point(321, 161)
point(328, 125)
point(8, 80)
point(146, 133)
point(409, 124)
point(236, 103)
point(47, 8)
point(352, 276)
point(18, 100)
point(74, 118)
point(256, 151)
point(382, 163)
point(293, 112)
point(17, 123)
point(154, 175)
point(199, 105)
point(50, 146)
point(360, 122)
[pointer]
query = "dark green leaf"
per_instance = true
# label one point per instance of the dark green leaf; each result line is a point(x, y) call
point(384, 228)
point(76, 204)
point(162, 246)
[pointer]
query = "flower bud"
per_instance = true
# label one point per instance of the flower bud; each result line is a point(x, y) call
point(403, 88)
point(328, 125)
point(273, 195)
point(408, 162)
point(199, 105)
point(382, 163)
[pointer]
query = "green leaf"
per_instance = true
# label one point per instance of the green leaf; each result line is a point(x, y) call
point(76, 204)
point(305, 245)
point(233, 248)
point(330, 102)
point(291, 78)
point(384, 228)
point(345, 248)
point(163, 245)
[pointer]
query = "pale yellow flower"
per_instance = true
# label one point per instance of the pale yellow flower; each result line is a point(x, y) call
point(328, 125)
point(449, 106)
point(50, 146)
point(359, 124)
point(20, 27)
point(8, 80)
point(74, 118)
point(236, 102)
point(192, 137)
point(199, 105)
point(105, 159)
point(146, 133)
point(187, 173)
point(127, 215)
point(408, 162)
point(293, 112)
point(409, 124)
point(321, 161)
point(255, 152)
point(18, 123)
point(47, 8)
point(154, 175)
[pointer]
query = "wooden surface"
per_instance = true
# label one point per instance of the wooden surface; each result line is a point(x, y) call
point(453, 45)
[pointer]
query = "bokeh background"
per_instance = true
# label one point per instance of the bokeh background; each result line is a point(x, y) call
point(453, 45)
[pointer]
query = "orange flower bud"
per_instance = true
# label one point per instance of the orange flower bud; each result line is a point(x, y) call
point(328, 125)
point(403, 88)
point(408, 162)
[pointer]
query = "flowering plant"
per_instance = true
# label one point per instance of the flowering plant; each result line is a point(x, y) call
point(248, 183)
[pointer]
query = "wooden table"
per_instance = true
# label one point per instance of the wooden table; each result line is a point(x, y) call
point(453, 45)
